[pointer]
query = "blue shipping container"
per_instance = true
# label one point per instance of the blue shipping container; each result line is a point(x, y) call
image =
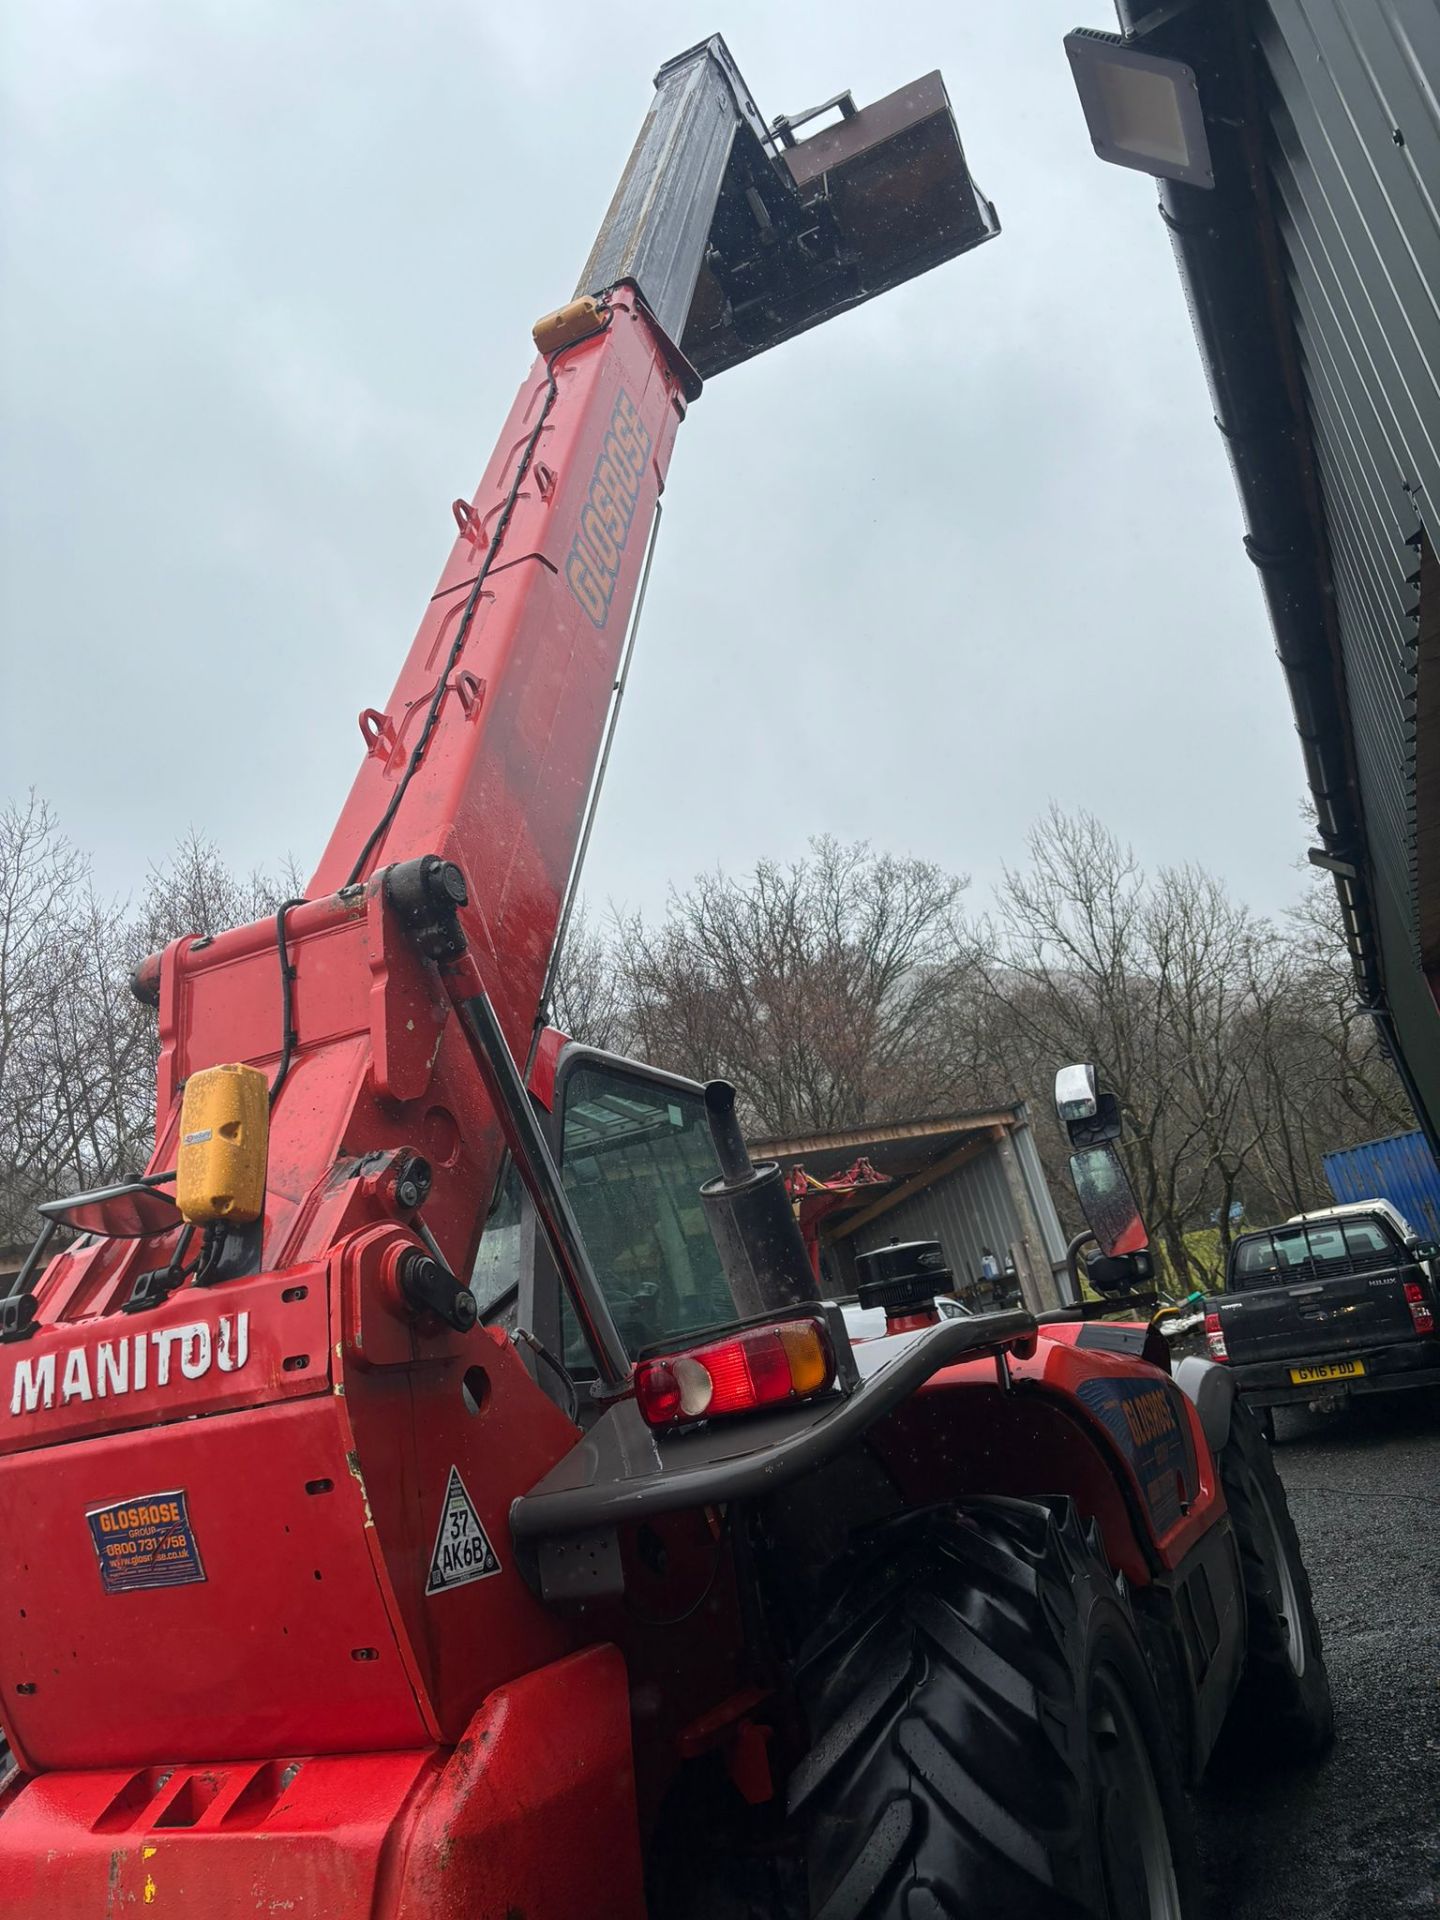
point(1401, 1170)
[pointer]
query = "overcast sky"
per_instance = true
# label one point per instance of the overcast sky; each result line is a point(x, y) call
point(270, 269)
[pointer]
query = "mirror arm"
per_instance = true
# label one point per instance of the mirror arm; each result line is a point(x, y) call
point(1072, 1262)
point(18, 1307)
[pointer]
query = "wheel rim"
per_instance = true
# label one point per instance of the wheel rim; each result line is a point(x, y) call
point(1282, 1576)
point(1135, 1853)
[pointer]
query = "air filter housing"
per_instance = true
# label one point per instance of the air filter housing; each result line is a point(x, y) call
point(903, 1277)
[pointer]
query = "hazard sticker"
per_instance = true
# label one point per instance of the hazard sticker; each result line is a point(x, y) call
point(462, 1547)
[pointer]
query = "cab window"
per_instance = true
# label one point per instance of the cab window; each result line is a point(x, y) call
point(1255, 1258)
point(1291, 1249)
point(1327, 1243)
point(1365, 1238)
point(634, 1155)
point(495, 1277)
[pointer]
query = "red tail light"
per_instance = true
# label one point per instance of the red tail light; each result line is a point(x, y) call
point(1420, 1310)
point(754, 1368)
point(1215, 1335)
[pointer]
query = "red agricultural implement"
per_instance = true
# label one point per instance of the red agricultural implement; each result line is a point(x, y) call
point(435, 1488)
point(814, 1200)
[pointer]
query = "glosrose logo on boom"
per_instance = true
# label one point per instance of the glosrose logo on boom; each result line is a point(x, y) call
point(593, 568)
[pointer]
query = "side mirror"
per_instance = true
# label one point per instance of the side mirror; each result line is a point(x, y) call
point(1108, 1201)
point(1076, 1094)
point(130, 1210)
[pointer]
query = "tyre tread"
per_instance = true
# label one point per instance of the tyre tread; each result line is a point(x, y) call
point(982, 1603)
point(1275, 1710)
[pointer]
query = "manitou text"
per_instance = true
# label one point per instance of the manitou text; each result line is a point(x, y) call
point(129, 1364)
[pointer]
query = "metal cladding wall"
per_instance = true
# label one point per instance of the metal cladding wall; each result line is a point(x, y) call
point(972, 1209)
point(1036, 1185)
point(1354, 158)
point(1401, 1170)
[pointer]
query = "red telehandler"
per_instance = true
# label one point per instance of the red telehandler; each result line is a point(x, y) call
point(355, 1561)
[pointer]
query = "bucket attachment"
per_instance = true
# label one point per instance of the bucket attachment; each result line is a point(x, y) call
point(739, 235)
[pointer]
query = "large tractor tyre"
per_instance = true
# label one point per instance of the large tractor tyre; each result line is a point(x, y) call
point(985, 1734)
point(1282, 1708)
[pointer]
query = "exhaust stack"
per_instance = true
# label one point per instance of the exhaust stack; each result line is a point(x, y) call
point(752, 1220)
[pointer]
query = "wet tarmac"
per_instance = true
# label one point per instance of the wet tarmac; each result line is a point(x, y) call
point(1359, 1837)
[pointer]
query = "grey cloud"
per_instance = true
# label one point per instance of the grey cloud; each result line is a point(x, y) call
point(270, 274)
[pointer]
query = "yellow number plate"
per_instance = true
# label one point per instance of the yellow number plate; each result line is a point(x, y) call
point(1334, 1370)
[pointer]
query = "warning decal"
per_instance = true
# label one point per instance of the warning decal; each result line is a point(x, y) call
point(145, 1542)
point(462, 1548)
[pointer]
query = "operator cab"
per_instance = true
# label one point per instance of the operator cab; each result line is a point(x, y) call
point(634, 1148)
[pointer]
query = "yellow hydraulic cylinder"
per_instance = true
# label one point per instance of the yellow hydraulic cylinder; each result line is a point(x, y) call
point(224, 1137)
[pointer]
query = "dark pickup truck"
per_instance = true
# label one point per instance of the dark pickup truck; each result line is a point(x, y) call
point(1327, 1306)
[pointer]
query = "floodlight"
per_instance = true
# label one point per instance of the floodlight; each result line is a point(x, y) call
point(1143, 110)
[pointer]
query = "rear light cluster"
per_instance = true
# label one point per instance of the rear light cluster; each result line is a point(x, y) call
point(1215, 1335)
point(755, 1368)
point(1421, 1311)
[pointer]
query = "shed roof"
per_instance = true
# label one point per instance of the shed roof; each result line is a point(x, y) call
point(910, 1154)
point(901, 1144)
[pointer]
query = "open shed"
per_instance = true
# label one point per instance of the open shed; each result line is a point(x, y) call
point(972, 1181)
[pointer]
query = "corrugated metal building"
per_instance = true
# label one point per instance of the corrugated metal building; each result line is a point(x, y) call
point(1312, 265)
point(971, 1181)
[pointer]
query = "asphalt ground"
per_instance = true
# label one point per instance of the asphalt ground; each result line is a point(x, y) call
point(1358, 1837)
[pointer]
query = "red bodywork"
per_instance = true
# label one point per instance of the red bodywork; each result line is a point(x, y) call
point(310, 1423)
point(412, 1834)
point(1061, 1426)
point(304, 1722)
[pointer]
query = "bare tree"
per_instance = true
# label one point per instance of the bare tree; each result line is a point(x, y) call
point(1319, 1073)
point(589, 1000)
point(191, 891)
point(44, 881)
point(842, 989)
point(194, 891)
point(829, 991)
point(1155, 981)
point(1235, 1046)
point(77, 1053)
